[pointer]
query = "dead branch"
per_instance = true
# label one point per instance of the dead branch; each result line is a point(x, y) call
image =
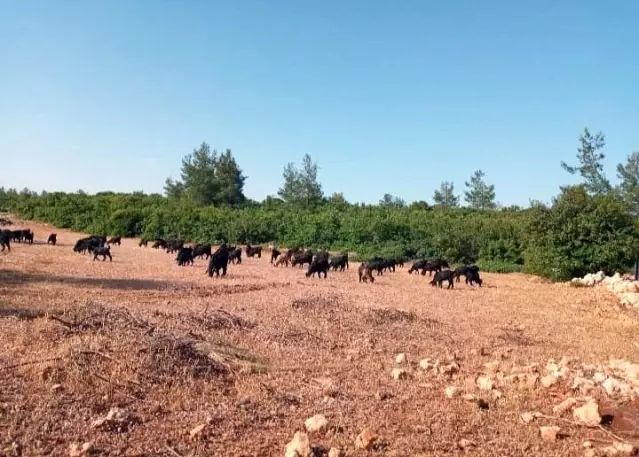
point(33, 362)
point(61, 321)
point(172, 451)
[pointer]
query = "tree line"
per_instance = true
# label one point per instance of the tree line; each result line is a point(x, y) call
point(587, 227)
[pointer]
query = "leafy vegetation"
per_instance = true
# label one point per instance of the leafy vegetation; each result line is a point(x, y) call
point(586, 228)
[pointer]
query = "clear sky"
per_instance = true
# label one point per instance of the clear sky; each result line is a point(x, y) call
point(387, 96)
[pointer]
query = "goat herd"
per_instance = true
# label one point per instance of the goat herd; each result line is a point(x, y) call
point(318, 262)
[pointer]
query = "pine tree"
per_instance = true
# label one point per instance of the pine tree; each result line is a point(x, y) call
point(479, 194)
point(590, 156)
point(445, 196)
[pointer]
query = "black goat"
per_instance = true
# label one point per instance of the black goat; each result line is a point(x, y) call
point(253, 251)
point(441, 276)
point(104, 251)
point(201, 250)
point(185, 257)
point(219, 261)
point(115, 240)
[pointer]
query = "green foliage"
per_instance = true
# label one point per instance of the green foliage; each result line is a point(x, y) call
point(581, 233)
point(628, 175)
point(479, 194)
point(208, 179)
point(301, 187)
point(590, 168)
point(587, 228)
point(391, 201)
point(445, 196)
point(496, 266)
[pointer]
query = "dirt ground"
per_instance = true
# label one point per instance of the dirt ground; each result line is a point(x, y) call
point(253, 355)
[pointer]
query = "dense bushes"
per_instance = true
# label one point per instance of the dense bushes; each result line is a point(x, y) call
point(578, 234)
point(581, 234)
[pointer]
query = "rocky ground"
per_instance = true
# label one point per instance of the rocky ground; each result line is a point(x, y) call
point(140, 357)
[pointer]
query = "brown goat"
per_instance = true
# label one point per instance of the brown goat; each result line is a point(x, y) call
point(283, 258)
point(365, 274)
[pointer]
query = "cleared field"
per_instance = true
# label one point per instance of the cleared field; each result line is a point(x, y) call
point(80, 337)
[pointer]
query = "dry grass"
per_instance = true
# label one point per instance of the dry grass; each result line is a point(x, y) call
point(254, 354)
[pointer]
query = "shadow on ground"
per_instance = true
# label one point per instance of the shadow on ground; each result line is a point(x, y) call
point(16, 278)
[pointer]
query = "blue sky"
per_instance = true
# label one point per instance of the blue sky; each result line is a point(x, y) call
point(386, 96)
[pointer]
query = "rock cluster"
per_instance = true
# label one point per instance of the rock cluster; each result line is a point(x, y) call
point(625, 288)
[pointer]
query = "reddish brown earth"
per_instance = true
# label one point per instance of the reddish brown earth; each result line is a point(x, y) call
point(80, 337)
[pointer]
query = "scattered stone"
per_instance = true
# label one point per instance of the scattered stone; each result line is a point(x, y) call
point(365, 440)
point(624, 448)
point(449, 369)
point(451, 391)
point(334, 452)
point(317, 423)
point(425, 364)
point(56, 387)
point(587, 444)
point(400, 358)
point(75, 450)
point(599, 377)
point(399, 373)
point(609, 386)
point(299, 446)
point(197, 430)
point(564, 406)
point(590, 453)
point(469, 397)
point(548, 381)
point(117, 417)
point(496, 394)
point(587, 414)
point(549, 433)
point(465, 444)
point(484, 383)
point(584, 385)
point(527, 418)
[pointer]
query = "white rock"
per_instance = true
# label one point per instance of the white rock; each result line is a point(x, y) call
point(584, 385)
point(549, 433)
point(564, 406)
point(624, 448)
point(425, 364)
point(526, 418)
point(587, 414)
point(299, 446)
point(334, 452)
point(399, 373)
point(75, 450)
point(610, 386)
point(484, 383)
point(599, 377)
point(365, 440)
point(548, 381)
point(449, 369)
point(451, 391)
point(197, 430)
point(317, 423)
point(465, 444)
point(400, 358)
point(469, 397)
point(587, 444)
